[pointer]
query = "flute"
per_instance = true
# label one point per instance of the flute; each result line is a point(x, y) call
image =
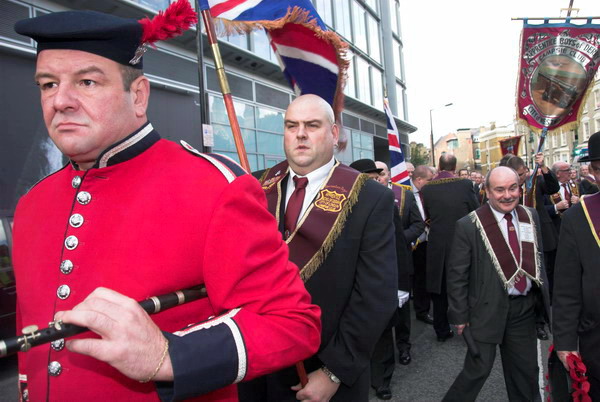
point(33, 336)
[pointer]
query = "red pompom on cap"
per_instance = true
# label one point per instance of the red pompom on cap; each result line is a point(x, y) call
point(176, 19)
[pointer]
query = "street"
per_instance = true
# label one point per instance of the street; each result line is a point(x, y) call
point(435, 365)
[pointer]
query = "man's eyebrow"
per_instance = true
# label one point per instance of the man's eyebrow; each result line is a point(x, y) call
point(87, 70)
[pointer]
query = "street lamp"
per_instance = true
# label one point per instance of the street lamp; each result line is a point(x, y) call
point(431, 125)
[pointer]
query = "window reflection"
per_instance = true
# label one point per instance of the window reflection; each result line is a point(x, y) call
point(261, 44)
point(364, 90)
point(324, 9)
point(374, 38)
point(359, 26)
point(269, 120)
point(377, 85)
point(342, 18)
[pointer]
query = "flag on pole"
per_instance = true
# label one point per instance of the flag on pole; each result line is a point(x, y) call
point(312, 57)
point(397, 164)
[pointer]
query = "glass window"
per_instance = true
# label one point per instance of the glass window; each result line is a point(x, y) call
point(157, 5)
point(397, 64)
point(243, 111)
point(366, 141)
point(359, 26)
point(253, 160)
point(373, 26)
point(586, 130)
point(350, 88)
point(324, 9)
point(261, 44)
point(394, 17)
point(224, 138)
point(342, 18)
point(373, 5)
point(400, 101)
point(563, 138)
point(271, 144)
point(364, 90)
point(377, 85)
point(597, 99)
point(238, 40)
point(452, 144)
point(269, 120)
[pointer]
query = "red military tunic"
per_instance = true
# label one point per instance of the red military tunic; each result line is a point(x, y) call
point(151, 218)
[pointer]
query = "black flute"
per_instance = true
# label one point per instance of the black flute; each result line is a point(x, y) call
point(32, 336)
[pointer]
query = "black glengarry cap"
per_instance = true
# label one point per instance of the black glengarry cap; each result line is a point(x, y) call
point(123, 40)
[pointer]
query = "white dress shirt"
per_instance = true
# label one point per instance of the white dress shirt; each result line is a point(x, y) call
point(504, 229)
point(316, 178)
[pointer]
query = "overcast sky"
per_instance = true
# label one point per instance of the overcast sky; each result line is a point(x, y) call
point(466, 52)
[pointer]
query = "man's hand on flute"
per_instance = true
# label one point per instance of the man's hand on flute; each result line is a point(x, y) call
point(130, 341)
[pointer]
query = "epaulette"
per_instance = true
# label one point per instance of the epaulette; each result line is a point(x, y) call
point(227, 166)
point(442, 181)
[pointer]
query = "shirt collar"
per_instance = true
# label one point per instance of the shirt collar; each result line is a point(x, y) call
point(127, 148)
point(500, 215)
point(316, 175)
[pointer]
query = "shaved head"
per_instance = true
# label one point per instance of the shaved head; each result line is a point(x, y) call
point(315, 101)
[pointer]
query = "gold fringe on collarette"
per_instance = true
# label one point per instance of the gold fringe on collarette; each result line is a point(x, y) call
point(297, 15)
point(442, 181)
point(311, 266)
point(264, 175)
point(508, 283)
point(401, 206)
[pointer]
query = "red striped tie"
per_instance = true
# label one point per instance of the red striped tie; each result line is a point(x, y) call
point(520, 282)
point(294, 206)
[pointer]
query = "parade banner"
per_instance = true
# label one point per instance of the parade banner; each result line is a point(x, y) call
point(557, 64)
point(510, 145)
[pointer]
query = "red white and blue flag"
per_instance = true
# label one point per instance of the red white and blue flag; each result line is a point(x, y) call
point(311, 57)
point(397, 164)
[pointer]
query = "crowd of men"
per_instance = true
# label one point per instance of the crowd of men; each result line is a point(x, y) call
point(309, 270)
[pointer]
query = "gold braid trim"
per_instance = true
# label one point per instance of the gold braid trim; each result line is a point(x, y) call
point(264, 176)
point(442, 181)
point(311, 266)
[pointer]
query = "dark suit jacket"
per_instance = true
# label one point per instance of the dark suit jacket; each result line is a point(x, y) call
point(576, 296)
point(445, 203)
point(547, 184)
point(475, 292)
point(587, 187)
point(403, 253)
point(356, 288)
point(413, 225)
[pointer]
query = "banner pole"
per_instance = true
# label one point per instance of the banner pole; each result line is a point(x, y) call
point(227, 98)
point(533, 175)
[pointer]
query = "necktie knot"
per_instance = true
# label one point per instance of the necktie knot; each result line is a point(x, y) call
point(300, 182)
point(508, 218)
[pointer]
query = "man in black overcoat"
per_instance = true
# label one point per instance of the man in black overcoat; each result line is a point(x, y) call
point(496, 278)
point(447, 199)
point(341, 236)
point(576, 301)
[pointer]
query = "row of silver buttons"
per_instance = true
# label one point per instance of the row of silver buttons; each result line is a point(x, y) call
point(66, 267)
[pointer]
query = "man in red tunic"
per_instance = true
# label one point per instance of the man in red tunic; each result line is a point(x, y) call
point(132, 216)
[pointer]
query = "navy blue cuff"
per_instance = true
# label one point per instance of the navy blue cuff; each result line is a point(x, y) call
point(203, 361)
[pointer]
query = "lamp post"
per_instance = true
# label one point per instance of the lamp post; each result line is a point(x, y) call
point(431, 125)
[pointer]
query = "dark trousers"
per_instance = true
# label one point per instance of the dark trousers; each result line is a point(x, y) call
point(549, 259)
point(421, 297)
point(589, 347)
point(519, 358)
point(382, 361)
point(402, 328)
point(440, 310)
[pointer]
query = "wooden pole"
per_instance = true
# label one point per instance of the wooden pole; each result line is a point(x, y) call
point(222, 77)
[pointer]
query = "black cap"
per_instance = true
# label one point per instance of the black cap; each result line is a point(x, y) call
point(365, 166)
point(108, 36)
point(593, 149)
point(119, 39)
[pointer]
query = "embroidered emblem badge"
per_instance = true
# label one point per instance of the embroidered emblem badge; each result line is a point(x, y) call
point(330, 201)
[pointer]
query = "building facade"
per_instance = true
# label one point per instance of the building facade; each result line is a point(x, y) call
point(459, 144)
point(261, 94)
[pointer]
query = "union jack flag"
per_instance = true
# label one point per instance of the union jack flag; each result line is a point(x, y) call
point(311, 57)
point(397, 164)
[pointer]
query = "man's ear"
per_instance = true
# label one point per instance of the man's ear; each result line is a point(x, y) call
point(335, 131)
point(140, 92)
